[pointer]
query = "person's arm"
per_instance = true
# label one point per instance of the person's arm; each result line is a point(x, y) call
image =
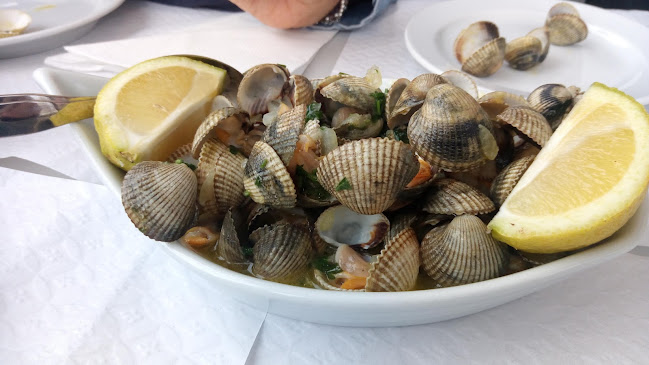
point(287, 13)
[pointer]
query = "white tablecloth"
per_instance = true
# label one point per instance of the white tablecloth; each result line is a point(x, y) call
point(76, 290)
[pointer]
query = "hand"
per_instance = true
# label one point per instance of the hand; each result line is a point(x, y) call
point(287, 13)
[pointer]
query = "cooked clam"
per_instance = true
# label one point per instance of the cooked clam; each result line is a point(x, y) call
point(160, 199)
point(397, 267)
point(496, 102)
point(266, 179)
point(551, 100)
point(543, 35)
point(462, 252)
point(480, 49)
point(565, 26)
point(366, 175)
point(529, 122)
point(233, 235)
point(13, 22)
point(451, 131)
point(461, 80)
point(523, 53)
point(283, 134)
point(281, 251)
point(504, 183)
point(412, 97)
point(340, 225)
point(261, 85)
point(452, 197)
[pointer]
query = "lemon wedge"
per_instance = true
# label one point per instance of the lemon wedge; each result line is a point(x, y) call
point(586, 182)
point(148, 110)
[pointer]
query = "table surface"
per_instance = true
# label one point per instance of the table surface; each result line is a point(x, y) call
point(71, 294)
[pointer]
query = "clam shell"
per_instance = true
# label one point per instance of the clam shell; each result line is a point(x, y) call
point(218, 124)
point(394, 93)
point(281, 251)
point(260, 85)
point(543, 35)
point(13, 22)
point(266, 178)
point(529, 122)
point(357, 126)
point(552, 101)
point(486, 60)
point(323, 282)
point(340, 225)
point(233, 233)
point(397, 267)
point(282, 135)
point(461, 80)
point(375, 171)
point(462, 252)
point(301, 90)
point(448, 196)
point(412, 98)
point(451, 131)
point(184, 153)
point(496, 102)
point(399, 223)
point(508, 178)
point(473, 38)
point(351, 91)
point(220, 178)
point(524, 52)
point(160, 199)
point(312, 129)
point(566, 29)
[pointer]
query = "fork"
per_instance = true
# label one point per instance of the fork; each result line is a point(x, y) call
point(30, 113)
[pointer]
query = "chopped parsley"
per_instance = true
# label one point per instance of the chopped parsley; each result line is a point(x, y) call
point(258, 181)
point(313, 112)
point(308, 184)
point(247, 251)
point(263, 164)
point(280, 65)
point(401, 134)
point(191, 166)
point(246, 193)
point(327, 267)
point(379, 105)
point(344, 184)
point(233, 150)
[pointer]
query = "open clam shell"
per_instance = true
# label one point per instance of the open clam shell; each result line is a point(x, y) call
point(486, 60)
point(452, 197)
point(160, 199)
point(283, 134)
point(225, 124)
point(565, 26)
point(397, 267)
point(260, 85)
point(301, 90)
point(504, 183)
point(266, 178)
point(220, 178)
point(351, 91)
point(543, 35)
point(524, 52)
point(451, 131)
point(393, 94)
point(412, 97)
point(462, 252)
point(13, 22)
point(496, 102)
point(233, 233)
point(552, 101)
point(473, 37)
point(340, 225)
point(529, 122)
point(366, 175)
point(281, 251)
point(461, 80)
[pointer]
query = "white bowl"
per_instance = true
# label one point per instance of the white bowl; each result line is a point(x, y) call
point(354, 309)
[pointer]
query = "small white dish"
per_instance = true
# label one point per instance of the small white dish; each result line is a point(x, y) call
point(353, 309)
point(54, 24)
point(615, 52)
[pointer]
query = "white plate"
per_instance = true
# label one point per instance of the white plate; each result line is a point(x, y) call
point(615, 52)
point(354, 309)
point(54, 23)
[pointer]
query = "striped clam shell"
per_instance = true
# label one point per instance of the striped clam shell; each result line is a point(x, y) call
point(543, 35)
point(266, 178)
point(397, 266)
point(208, 128)
point(366, 175)
point(301, 90)
point(527, 121)
point(393, 94)
point(508, 178)
point(283, 134)
point(496, 102)
point(400, 222)
point(461, 80)
point(160, 199)
point(552, 101)
point(260, 85)
point(473, 37)
point(351, 91)
point(565, 26)
point(220, 178)
point(184, 153)
point(462, 252)
point(448, 196)
point(451, 131)
point(233, 234)
point(412, 97)
point(524, 52)
point(281, 251)
point(339, 225)
point(486, 60)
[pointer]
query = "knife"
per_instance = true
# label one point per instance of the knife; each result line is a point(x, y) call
point(30, 113)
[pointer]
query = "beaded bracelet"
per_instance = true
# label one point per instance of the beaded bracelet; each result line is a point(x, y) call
point(334, 16)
